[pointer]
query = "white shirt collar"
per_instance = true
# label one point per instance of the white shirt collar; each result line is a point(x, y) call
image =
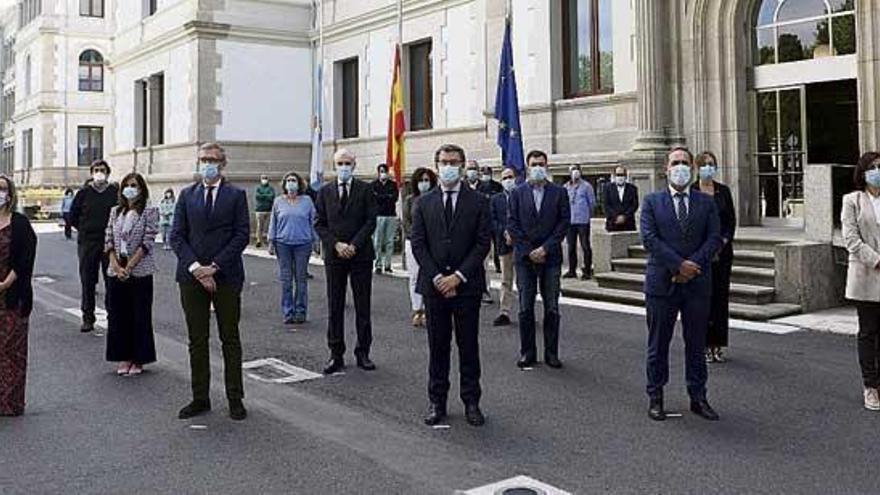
point(673, 191)
point(455, 189)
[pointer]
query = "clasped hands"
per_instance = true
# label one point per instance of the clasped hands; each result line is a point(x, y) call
point(539, 255)
point(686, 272)
point(447, 286)
point(205, 276)
point(345, 251)
point(121, 273)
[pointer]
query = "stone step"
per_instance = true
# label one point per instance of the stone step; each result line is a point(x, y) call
point(748, 275)
point(741, 257)
point(755, 243)
point(739, 293)
point(762, 312)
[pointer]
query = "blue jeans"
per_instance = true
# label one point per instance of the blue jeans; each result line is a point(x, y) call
point(293, 263)
point(529, 278)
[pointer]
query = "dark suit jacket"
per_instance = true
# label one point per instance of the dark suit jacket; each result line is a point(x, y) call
point(727, 213)
point(531, 230)
point(669, 245)
point(500, 210)
point(443, 249)
point(352, 225)
point(220, 238)
point(614, 207)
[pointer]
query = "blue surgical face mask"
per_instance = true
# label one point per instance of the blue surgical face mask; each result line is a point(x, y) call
point(383, 176)
point(538, 174)
point(291, 187)
point(680, 175)
point(210, 171)
point(708, 172)
point(424, 186)
point(508, 184)
point(872, 177)
point(449, 174)
point(130, 193)
point(472, 174)
point(344, 172)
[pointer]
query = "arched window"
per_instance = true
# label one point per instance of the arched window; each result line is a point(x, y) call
point(91, 71)
point(793, 30)
point(28, 70)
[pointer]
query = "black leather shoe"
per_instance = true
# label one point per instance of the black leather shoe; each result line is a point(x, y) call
point(236, 410)
point(656, 411)
point(501, 321)
point(334, 365)
point(553, 362)
point(473, 415)
point(194, 408)
point(703, 409)
point(570, 275)
point(364, 363)
point(525, 362)
point(87, 327)
point(436, 415)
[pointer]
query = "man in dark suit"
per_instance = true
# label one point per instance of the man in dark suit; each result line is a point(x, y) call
point(539, 219)
point(345, 222)
point(621, 200)
point(499, 208)
point(450, 240)
point(681, 231)
point(210, 232)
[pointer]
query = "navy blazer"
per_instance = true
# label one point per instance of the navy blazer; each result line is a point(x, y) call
point(443, 249)
point(499, 206)
point(668, 245)
point(531, 230)
point(220, 238)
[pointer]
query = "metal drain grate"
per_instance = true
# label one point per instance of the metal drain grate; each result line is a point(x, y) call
point(520, 485)
point(272, 370)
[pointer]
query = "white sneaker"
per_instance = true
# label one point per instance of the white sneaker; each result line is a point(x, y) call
point(872, 399)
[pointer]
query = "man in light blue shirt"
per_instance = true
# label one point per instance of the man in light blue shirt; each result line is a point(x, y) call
point(582, 201)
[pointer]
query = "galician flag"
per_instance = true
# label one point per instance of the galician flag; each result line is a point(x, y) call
point(395, 157)
point(316, 171)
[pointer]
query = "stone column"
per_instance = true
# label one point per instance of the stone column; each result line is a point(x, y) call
point(868, 13)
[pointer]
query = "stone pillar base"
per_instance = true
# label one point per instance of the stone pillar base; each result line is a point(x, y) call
point(608, 246)
point(806, 274)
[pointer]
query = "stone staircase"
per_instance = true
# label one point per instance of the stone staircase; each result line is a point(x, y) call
point(752, 290)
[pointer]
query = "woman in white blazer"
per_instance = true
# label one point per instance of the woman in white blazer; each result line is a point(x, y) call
point(861, 232)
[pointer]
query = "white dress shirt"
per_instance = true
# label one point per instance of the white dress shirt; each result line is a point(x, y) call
point(455, 190)
point(687, 198)
point(875, 202)
point(620, 191)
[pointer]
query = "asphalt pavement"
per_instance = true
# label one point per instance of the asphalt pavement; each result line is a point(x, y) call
point(792, 420)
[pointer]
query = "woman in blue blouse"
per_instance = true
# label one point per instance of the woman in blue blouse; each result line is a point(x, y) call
point(291, 233)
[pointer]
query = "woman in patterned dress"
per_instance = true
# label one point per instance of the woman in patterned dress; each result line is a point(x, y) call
point(130, 237)
point(18, 246)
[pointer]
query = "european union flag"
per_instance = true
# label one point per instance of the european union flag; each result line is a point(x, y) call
point(507, 111)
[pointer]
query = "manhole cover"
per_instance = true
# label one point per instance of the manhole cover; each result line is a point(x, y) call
point(272, 370)
point(518, 485)
point(520, 491)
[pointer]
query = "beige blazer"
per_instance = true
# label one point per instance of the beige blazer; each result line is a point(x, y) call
point(861, 233)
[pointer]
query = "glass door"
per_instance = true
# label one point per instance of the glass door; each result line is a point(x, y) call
point(781, 152)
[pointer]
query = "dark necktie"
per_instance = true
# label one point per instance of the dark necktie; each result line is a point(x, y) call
point(209, 200)
point(682, 213)
point(447, 210)
point(344, 199)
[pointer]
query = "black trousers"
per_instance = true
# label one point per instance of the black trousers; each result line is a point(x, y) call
point(130, 320)
point(196, 302)
point(582, 233)
point(361, 276)
point(67, 227)
point(869, 342)
point(459, 315)
point(719, 307)
point(92, 259)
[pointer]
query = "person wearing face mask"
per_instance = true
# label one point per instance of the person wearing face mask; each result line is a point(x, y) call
point(451, 233)
point(681, 231)
point(489, 187)
point(166, 217)
point(18, 247)
point(423, 180)
point(129, 241)
point(722, 264)
point(472, 175)
point(499, 209)
point(386, 192)
point(540, 215)
point(66, 205)
point(210, 233)
point(621, 201)
point(582, 200)
point(860, 219)
point(264, 197)
point(89, 215)
point(291, 234)
point(346, 220)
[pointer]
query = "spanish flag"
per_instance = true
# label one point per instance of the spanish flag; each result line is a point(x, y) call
point(394, 152)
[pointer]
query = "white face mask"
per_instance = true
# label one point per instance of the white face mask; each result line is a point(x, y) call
point(4, 198)
point(620, 180)
point(99, 177)
point(575, 174)
point(680, 175)
point(449, 174)
point(508, 184)
point(424, 186)
point(471, 174)
point(383, 176)
point(265, 182)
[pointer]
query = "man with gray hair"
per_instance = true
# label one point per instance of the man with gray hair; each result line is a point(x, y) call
point(345, 223)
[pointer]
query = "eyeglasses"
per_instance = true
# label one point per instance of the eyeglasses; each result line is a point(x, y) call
point(680, 162)
point(454, 163)
point(344, 164)
point(214, 161)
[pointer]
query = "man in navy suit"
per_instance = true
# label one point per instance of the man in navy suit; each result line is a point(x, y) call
point(500, 206)
point(681, 231)
point(210, 232)
point(539, 218)
point(450, 240)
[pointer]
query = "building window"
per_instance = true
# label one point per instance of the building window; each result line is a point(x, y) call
point(793, 30)
point(27, 141)
point(91, 8)
point(28, 10)
point(8, 158)
point(27, 75)
point(90, 145)
point(588, 50)
point(91, 71)
point(149, 111)
point(150, 7)
point(421, 94)
point(350, 98)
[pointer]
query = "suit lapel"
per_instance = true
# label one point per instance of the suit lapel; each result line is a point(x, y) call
point(352, 187)
point(867, 207)
point(530, 201)
point(543, 200)
point(463, 197)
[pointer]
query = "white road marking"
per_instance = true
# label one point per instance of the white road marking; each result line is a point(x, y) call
point(516, 482)
point(44, 280)
point(441, 427)
point(198, 427)
point(100, 316)
point(289, 372)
